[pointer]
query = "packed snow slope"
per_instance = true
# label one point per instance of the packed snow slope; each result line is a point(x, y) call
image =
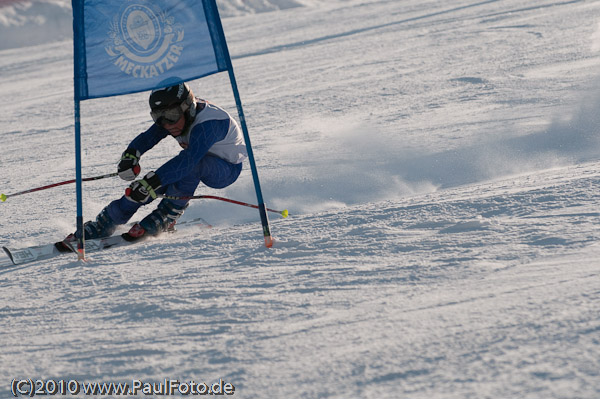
point(28, 22)
point(440, 161)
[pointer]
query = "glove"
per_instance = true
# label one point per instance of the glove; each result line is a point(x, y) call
point(141, 190)
point(129, 167)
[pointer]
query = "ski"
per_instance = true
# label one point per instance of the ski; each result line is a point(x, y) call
point(99, 243)
point(31, 254)
point(21, 256)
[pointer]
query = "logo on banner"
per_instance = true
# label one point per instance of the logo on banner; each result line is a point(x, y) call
point(144, 41)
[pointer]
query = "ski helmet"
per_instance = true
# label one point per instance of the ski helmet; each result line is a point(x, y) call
point(168, 104)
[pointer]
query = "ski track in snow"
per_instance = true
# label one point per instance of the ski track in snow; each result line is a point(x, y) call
point(440, 163)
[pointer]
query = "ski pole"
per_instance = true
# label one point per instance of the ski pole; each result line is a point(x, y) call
point(283, 213)
point(4, 197)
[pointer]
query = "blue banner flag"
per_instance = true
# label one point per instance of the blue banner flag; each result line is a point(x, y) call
point(127, 46)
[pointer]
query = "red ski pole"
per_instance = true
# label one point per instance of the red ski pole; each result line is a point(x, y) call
point(4, 197)
point(283, 213)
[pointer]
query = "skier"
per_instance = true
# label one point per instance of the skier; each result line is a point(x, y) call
point(213, 152)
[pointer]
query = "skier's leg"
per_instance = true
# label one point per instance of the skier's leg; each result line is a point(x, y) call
point(217, 173)
point(161, 219)
point(212, 171)
point(114, 214)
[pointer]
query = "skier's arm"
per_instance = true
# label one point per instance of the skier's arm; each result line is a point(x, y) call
point(148, 139)
point(128, 167)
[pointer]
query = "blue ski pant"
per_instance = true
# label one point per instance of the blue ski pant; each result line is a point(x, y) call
point(214, 172)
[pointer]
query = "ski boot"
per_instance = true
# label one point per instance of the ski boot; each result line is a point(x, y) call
point(102, 227)
point(162, 219)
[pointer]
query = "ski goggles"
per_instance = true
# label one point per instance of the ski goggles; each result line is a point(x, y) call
point(167, 116)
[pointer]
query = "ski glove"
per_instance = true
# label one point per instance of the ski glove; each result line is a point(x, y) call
point(129, 167)
point(142, 190)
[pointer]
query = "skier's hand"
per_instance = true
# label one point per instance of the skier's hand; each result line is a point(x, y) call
point(142, 190)
point(129, 167)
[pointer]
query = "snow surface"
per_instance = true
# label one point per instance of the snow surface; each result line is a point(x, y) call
point(28, 22)
point(440, 161)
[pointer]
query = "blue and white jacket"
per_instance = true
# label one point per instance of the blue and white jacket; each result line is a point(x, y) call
point(213, 132)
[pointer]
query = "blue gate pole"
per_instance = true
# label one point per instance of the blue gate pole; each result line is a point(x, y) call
point(224, 63)
point(262, 209)
point(80, 91)
point(78, 185)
